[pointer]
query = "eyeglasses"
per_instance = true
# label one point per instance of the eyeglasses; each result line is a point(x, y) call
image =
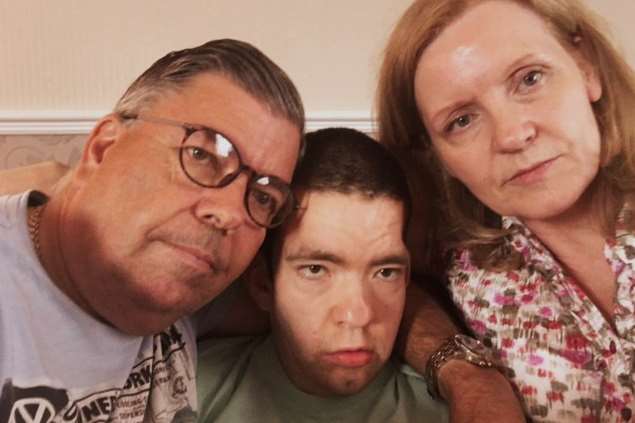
point(209, 159)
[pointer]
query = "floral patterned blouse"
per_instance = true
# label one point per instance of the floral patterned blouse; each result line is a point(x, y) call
point(557, 347)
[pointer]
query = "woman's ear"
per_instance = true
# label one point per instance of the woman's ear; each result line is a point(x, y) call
point(103, 136)
point(259, 279)
point(589, 71)
point(593, 83)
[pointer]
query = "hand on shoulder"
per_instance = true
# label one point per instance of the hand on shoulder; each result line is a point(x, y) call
point(40, 176)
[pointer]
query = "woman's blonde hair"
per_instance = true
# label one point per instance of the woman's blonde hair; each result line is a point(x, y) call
point(465, 221)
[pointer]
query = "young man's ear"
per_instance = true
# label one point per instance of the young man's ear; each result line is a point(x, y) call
point(101, 138)
point(259, 279)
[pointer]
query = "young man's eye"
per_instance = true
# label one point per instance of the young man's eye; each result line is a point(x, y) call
point(312, 271)
point(390, 273)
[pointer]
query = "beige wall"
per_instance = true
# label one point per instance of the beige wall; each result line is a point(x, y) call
point(68, 60)
point(78, 55)
point(619, 15)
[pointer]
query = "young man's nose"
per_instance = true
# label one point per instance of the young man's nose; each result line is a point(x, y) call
point(354, 307)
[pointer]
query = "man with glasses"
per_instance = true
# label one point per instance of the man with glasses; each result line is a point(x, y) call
point(211, 160)
point(168, 205)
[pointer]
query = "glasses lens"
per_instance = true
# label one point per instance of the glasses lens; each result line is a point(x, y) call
point(268, 200)
point(209, 158)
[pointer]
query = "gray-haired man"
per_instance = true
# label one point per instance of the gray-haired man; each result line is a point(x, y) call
point(168, 205)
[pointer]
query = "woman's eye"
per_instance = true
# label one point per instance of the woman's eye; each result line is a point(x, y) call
point(459, 123)
point(532, 78)
point(529, 81)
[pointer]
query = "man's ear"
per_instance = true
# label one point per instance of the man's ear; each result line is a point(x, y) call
point(259, 279)
point(103, 136)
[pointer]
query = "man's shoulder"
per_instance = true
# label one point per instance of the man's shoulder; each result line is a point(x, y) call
point(223, 366)
point(222, 351)
point(12, 208)
point(16, 252)
point(104, 376)
point(217, 353)
point(414, 399)
point(406, 376)
point(409, 373)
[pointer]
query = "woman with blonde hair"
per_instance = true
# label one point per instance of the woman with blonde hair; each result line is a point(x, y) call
point(519, 111)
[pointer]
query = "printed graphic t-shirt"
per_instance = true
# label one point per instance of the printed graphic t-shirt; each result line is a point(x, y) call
point(58, 364)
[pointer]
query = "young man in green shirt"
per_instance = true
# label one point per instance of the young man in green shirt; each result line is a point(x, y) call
point(340, 270)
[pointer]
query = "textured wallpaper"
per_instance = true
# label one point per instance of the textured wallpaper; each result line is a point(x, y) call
point(22, 150)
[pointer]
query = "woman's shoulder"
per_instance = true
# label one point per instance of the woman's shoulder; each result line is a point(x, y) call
point(480, 291)
point(464, 268)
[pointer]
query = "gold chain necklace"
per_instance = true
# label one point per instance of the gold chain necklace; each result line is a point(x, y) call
point(33, 223)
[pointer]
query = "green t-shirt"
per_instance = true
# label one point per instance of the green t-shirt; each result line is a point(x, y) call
point(241, 380)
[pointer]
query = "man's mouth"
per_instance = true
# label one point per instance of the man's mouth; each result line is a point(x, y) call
point(352, 358)
point(196, 257)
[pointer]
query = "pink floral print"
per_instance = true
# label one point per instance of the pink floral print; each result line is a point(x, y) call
point(554, 344)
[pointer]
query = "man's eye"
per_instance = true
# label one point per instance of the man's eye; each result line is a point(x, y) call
point(264, 201)
point(314, 268)
point(262, 198)
point(199, 154)
point(312, 271)
point(390, 273)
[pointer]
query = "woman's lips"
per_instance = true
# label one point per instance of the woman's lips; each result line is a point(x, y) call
point(532, 173)
point(350, 358)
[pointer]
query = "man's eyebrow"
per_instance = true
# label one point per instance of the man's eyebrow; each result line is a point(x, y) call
point(399, 259)
point(311, 254)
point(322, 255)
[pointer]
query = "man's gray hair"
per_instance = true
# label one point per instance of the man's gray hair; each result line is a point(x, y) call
point(239, 61)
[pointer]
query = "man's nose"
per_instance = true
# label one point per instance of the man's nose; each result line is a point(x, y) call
point(354, 307)
point(224, 208)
